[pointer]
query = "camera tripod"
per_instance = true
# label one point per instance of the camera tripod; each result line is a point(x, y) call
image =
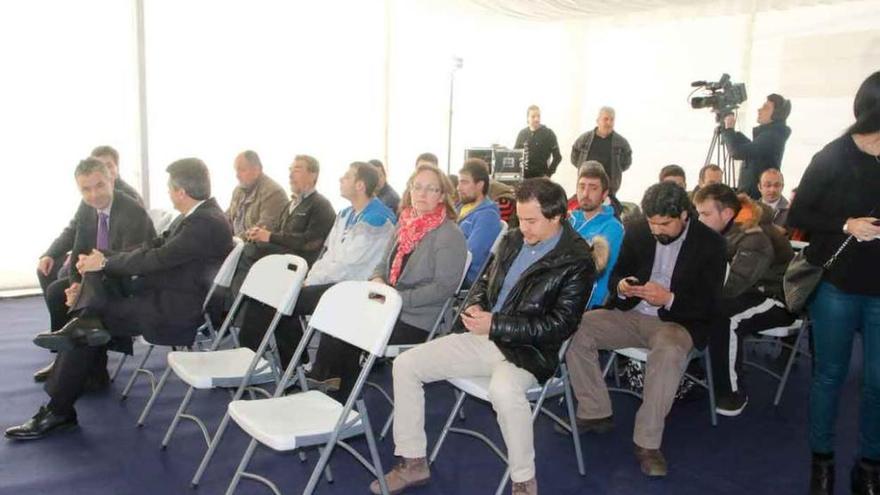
point(718, 151)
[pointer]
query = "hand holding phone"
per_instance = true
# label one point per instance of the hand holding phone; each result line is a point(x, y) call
point(633, 281)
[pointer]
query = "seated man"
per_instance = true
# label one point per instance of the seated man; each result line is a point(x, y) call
point(771, 185)
point(302, 226)
point(478, 216)
point(258, 200)
point(174, 275)
point(673, 173)
point(664, 290)
point(593, 219)
point(355, 245)
point(709, 174)
point(110, 157)
point(386, 194)
point(743, 309)
point(105, 221)
point(513, 336)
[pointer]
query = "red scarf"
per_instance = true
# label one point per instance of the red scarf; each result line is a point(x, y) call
point(411, 230)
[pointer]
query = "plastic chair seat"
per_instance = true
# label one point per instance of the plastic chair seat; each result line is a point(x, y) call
point(637, 353)
point(226, 368)
point(478, 386)
point(293, 421)
point(782, 332)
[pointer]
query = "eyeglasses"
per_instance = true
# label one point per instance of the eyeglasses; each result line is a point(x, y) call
point(428, 188)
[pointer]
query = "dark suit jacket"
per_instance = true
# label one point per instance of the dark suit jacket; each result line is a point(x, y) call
point(176, 271)
point(302, 232)
point(120, 186)
point(696, 280)
point(130, 226)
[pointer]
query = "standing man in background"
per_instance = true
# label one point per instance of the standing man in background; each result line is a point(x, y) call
point(607, 147)
point(765, 149)
point(539, 143)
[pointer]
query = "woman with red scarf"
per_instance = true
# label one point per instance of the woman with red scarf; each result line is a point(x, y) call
point(424, 262)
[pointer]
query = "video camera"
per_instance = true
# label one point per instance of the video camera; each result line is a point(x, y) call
point(723, 96)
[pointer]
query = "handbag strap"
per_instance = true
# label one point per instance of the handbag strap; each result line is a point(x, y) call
point(843, 246)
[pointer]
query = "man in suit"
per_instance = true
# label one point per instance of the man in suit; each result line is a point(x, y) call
point(54, 263)
point(110, 157)
point(174, 275)
point(302, 226)
point(664, 291)
point(105, 221)
point(258, 200)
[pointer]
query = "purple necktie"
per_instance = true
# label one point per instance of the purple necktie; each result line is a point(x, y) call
point(103, 243)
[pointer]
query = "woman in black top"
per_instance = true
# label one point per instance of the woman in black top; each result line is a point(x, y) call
point(839, 195)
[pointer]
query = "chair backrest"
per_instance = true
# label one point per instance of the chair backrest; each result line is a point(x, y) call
point(276, 280)
point(362, 314)
point(467, 265)
point(504, 229)
point(227, 269)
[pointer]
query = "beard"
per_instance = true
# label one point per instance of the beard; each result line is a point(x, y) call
point(666, 239)
point(588, 206)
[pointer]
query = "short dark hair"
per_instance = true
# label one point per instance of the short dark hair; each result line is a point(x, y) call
point(781, 107)
point(378, 164)
point(428, 157)
point(722, 194)
point(594, 170)
point(707, 168)
point(665, 199)
point(311, 162)
point(253, 158)
point(672, 170)
point(532, 107)
point(366, 173)
point(772, 170)
point(191, 175)
point(866, 106)
point(478, 170)
point(106, 150)
point(90, 165)
point(550, 195)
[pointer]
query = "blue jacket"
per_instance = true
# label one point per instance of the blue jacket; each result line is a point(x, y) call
point(609, 227)
point(480, 228)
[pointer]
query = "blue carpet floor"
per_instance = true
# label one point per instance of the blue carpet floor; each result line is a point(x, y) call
point(763, 451)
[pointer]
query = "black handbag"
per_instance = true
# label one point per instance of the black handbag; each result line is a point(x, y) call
point(802, 277)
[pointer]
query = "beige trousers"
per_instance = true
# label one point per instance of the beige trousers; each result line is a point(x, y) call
point(459, 356)
point(668, 346)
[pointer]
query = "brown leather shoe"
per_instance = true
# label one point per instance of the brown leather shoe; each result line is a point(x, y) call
point(651, 461)
point(407, 473)
point(525, 487)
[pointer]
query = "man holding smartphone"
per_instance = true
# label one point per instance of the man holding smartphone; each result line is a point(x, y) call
point(664, 289)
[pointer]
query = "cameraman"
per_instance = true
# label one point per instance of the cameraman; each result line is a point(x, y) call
point(767, 145)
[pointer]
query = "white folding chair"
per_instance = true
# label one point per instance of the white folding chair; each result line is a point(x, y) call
point(274, 280)
point(641, 355)
point(311, 418)
point(777, 336)
point(478, 387)
point(206, 331)
point(394, 350)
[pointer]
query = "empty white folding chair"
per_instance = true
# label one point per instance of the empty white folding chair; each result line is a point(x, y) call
point(311, 418)
point(777, 336)
point(275, 281)
point(223, 278)
point(478, 387)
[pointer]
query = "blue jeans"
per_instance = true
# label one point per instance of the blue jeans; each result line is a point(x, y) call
point(836, 317)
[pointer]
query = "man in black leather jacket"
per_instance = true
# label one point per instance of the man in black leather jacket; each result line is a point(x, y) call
point(517, 316)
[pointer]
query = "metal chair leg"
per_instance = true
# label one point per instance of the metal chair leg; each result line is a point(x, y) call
point(371, 443)
point(154, 396)
point(211, 449)
point(118, 368)
point(241, 467)
point(795, 348)
point(134, 373)
point(460, 396)
point(180, 410)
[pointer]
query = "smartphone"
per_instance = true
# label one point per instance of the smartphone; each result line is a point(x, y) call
point(634, 281)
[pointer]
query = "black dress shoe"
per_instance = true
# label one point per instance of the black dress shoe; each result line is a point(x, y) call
point(77, 332)
point(822, 476)
point(44, 373)
point(865, 479)
point(600, 425)
point(44, 423)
